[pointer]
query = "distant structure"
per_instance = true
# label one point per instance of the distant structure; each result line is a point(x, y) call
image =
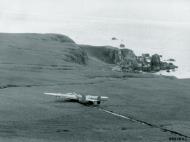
point(171, 60)
point(114, 38)
point(122, 45)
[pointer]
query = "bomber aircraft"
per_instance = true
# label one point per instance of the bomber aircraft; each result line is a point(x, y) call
point(83, 99)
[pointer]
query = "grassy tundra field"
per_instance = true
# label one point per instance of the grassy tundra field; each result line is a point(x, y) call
point(31, 64)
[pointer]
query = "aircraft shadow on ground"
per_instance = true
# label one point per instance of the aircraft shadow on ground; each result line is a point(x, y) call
point(89, 104)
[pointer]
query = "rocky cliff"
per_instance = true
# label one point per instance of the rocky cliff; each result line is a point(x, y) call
point(155, 62)
point(125, 58)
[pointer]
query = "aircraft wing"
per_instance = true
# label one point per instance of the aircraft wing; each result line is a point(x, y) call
point(104, 98)
point(66, 96)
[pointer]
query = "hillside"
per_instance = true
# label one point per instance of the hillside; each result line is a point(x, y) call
point(31, 64)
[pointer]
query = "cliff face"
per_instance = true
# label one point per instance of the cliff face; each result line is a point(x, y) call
point(125, 58)
point(128, 59)
point(155, 62)
point(118, 56)
point(76, 54)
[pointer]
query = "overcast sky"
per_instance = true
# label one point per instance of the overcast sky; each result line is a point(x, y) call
point(174, 11)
